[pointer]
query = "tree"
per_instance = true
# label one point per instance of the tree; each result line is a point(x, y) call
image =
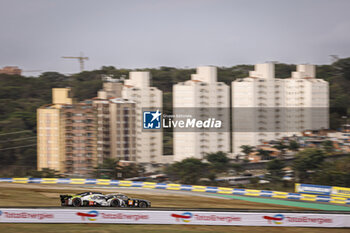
point(275, 168)
point(219, 162)
point(246, 149)
point(307, 162)
point(45, 173)
point(237, 167)
point(293, 145)
point(265, 155)
point(131, 170)
point(281, 147)
point(109, 169)
point(333, 173)
point(328, 146)
point(188, 171)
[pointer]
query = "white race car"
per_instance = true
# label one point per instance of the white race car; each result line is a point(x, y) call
point(91, 199)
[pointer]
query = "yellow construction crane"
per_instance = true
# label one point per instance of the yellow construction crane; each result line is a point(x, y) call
point(81, 59)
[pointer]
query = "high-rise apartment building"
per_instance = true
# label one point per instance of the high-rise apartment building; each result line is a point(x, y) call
point(202, 96)
point(265, 108)
point(116, 128)
point(50, 131)
point(111, 90)
point(149, 144)
point(79, 136)
point(67, 135)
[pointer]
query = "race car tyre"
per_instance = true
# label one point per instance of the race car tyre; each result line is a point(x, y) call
point(76, 202)
point(85, 203)
point(114, 203)
point(143, 204)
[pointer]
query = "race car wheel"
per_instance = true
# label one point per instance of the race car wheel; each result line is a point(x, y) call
point(115, 202)
point(143, 204)
point(85, 203)
point(76, 202)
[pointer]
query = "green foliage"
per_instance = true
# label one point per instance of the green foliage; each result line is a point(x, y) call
point(293, 145)
point(219, 162)
point(45, 173)
point(335, 173)
point(307, 162)
point(265, 155)
point(246, 149)
point(110, 169)
point(328, 146)
point(275, 168)
point(238, 168)
point(188, 171)
point(280, 146)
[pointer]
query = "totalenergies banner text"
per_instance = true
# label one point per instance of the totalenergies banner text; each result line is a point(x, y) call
point(10, 215)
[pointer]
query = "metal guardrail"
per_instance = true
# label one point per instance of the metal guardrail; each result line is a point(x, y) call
point(182, 187)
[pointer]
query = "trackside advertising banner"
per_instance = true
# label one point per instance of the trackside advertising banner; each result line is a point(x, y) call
point(172, 217)
point(313, 189)
point(322, 190)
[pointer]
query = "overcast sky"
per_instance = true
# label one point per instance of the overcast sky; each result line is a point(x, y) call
point(151, 33)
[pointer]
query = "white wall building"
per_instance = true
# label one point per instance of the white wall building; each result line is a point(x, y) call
point(201, 93)
point(265, 108)
point(149, 145)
